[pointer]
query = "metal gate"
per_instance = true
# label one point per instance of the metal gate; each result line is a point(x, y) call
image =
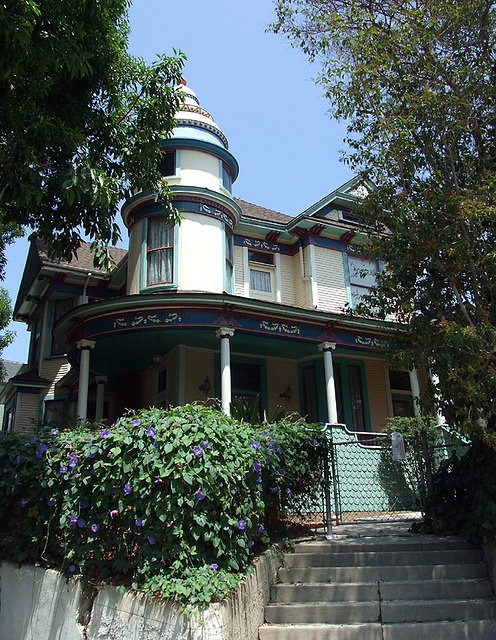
point(366, 484)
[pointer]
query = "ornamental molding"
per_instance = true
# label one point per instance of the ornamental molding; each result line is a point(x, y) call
point(183, 122)
point(147, 319)
point(368, 341)
point(279, 327)
point(261, 244)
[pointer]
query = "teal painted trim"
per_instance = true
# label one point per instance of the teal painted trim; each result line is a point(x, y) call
point(321, 391)
point(208, 147)
point(143, 261)
point(346, 267)
point(247, 360)
point(62, 396)
point(224, 262)
point(345, 382)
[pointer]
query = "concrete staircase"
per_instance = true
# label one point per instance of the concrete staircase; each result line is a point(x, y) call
point(382, 588)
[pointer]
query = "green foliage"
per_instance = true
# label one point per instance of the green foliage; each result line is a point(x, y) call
point(463, 498)
point(5, 314)
point(415, 82)
point(81, 119)
point(171, 502)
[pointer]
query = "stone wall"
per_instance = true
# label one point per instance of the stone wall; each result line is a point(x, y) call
point(39, 603)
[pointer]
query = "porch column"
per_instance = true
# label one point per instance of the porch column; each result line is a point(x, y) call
point(332, 405)
point(415, 391)
point(224, 333)
point(101, 381)
point(84, 376)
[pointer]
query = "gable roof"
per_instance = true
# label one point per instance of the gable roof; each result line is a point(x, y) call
point(250, 210)
point(83, 259)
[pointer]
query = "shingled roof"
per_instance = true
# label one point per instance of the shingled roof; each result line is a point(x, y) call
point(256, 212)
point(84, 258)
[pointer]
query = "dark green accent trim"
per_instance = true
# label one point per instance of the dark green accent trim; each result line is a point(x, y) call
point(208, 147)
point(344, 362)
point(321, 392)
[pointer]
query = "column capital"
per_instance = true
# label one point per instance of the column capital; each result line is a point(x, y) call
point(327, 346)
point(85, 344)
point(101, 379)
point(225, 332)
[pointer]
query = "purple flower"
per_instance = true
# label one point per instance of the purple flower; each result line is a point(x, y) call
point(279, 451)
point(197, 451)
point(33, 439)
point(249, 544)
point(136, 422)
point(63, 469)
point(316, 443)
point(38, 454)
point(256, 445)
point(72, 461)
point(257, 465)
point(50, 503)
point(95, 527)
point(242, 525)
point(151, 540)
point(205, 444)
point(260, 528)
point(74, 520)
point(259, 479)
point(72, 568)
point(24, 502)
point(112, 513)
point(18, 458)
point(91, 454)
point(54, 432)
point(53, 447)
point(150, 431)
point(200, 495)
point(214, 566)
point(288, 491)
point(84, 504)
point(138, 522)
point(273, 489)
point(271, 448)
point(104, 433)
point(127, 489)
point(42, 447)
point(81, 523)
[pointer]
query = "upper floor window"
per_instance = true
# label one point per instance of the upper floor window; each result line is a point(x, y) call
point(363, 275)
point(226, 178)
point(229, 260)
point(160, 251)
point(261, 266)
point(167, 164)
point(59, 308)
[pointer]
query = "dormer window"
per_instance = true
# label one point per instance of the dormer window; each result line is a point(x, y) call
point(160, 251)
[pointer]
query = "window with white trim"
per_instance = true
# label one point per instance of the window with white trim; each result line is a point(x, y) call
point(229, 259)
point(261, 272)
point(160, 251)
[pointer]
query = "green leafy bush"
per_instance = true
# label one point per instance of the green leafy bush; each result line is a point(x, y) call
point(168, 502)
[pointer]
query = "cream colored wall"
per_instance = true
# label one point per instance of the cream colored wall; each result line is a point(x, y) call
point(377, 393)
point(302, 287)
point(287, 280)
point(199, 169)
point(54, 369)
point(200, 363)
point(331, 282)
point(201, 254)
point(28, 413)
point(134, 258)
point(280, 373)
point(238, 271)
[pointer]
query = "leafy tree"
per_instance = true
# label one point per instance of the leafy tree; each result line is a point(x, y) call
point(81, 119)
point(7, 336)
point(415, 81)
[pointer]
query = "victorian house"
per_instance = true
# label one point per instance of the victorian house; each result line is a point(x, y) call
point(235, 300)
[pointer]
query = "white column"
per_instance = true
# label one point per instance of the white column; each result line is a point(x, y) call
point(101, 381)
point(332, 405)
point(224, 333)
point(84, 377)
point(414, 385)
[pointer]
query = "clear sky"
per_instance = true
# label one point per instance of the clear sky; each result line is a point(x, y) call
point(261, 93)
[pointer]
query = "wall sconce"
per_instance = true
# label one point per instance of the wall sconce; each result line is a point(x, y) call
point(287, 394)
point(205, 386)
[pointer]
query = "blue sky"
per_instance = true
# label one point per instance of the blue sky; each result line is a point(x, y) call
point(261, 93)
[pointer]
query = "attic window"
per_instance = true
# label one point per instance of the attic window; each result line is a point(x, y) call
point(348, 216)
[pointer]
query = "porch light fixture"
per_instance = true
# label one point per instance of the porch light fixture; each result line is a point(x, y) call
point(205, 386)
point(287, 394)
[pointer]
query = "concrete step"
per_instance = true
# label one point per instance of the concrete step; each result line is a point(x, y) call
point(374, 574)
point(386, 544)
point(392, 611)
point(383, 558)
point(370, 591)
point(468, 630)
